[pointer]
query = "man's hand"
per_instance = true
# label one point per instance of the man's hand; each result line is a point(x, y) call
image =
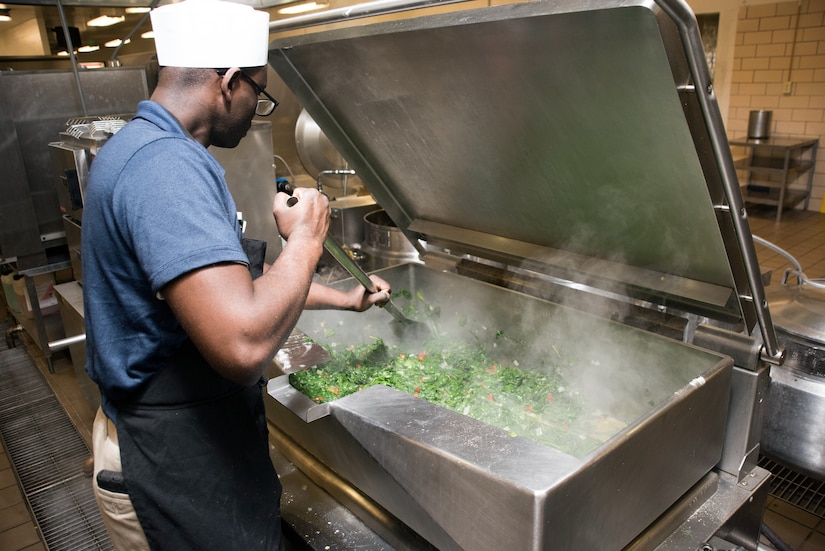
point(307, 217)
point(356, 299)
point(362, 300)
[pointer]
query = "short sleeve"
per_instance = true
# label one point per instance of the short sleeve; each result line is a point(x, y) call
point(180, 219)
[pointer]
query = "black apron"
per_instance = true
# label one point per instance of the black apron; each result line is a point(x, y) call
point(194, 449)
point(195, 456)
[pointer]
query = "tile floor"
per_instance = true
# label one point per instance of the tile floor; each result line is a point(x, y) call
point(800, 233)
point(17, 528)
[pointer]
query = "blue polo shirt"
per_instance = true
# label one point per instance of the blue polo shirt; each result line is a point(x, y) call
point(157, 206)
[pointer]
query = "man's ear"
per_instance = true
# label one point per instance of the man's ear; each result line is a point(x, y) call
point(229, 80)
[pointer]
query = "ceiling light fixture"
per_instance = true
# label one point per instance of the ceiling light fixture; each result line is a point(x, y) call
point(106, 21)
point(302, 8)
point(138, 10)
point(148, 34)
point(88, 49)
point(116, 42)
point(5, 14)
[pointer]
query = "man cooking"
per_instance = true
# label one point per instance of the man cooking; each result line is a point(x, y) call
point(178, 333)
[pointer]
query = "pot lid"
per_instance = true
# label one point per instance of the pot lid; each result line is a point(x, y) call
point(798, 310)
point(577, 139)
point(319, 156)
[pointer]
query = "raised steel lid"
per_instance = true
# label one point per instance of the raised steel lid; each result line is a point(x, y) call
point(579, 139)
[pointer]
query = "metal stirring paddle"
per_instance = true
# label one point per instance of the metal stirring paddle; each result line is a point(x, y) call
point(352, 267)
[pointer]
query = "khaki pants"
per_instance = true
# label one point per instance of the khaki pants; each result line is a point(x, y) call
point(116, 509)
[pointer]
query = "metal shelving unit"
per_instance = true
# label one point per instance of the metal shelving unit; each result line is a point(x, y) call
point(772, 165)
point(41, 328)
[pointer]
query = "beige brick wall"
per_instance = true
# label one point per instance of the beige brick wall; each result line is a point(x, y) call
point(777, 44)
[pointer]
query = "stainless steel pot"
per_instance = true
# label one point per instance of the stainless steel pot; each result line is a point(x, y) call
point(384, 244)
point(793, 432)
point(759, 124)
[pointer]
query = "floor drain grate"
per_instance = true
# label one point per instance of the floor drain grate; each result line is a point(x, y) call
point(47, 454)
point(73, 520)
point(797, 489)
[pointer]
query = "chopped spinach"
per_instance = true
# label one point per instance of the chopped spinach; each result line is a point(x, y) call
point(535, 403)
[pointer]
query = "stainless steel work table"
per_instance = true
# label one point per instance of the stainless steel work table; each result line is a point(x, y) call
point(39, 327)
point(787, 158)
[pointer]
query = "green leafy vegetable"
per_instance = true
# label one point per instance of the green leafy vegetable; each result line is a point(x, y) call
point(535, 403)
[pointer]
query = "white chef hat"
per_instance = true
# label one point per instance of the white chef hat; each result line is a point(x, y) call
point(210, 34)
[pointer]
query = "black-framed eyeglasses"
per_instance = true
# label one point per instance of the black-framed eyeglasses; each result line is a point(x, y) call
point(266, 106)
